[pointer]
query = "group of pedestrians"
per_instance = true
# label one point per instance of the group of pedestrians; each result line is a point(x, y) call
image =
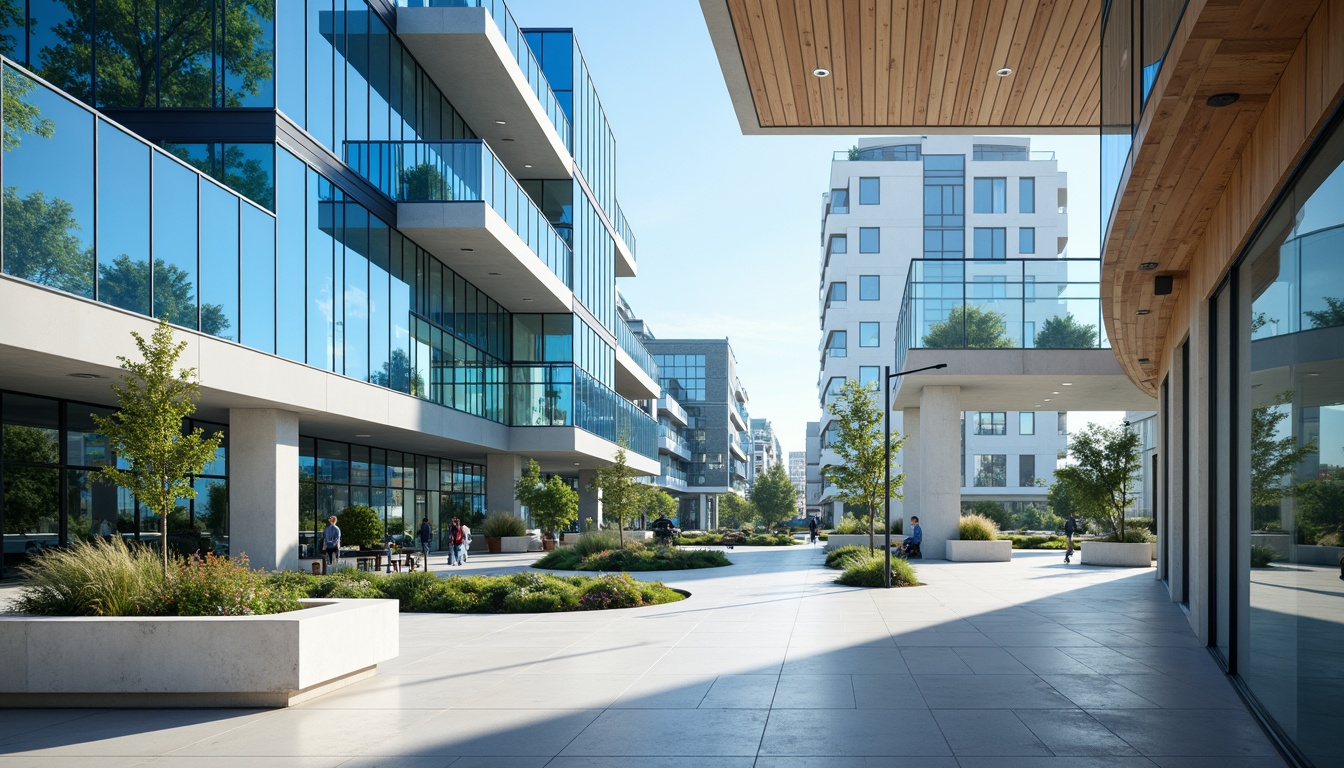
point(459, 540)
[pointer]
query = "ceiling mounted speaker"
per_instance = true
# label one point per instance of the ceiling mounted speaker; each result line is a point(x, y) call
point(1162, 285)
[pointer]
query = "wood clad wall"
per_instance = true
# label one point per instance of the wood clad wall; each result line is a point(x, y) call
point(1205, 176)
point(925, 63)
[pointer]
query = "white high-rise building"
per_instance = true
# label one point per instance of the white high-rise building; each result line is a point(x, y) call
point(901, 217)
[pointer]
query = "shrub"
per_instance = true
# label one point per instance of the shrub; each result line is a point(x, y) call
point(415, 592)
point(500, 524)
point(1134, 535)
point(637, 558)
point(91, 578)
point(770, 540)
point(1262, 556)
point(615, 591)
point(994, 511)
point(1039, 542)
point(596, 541)
point(839, 554)
point(869, 572)
point(360, 526)
point(977, 527)
point(218, 586)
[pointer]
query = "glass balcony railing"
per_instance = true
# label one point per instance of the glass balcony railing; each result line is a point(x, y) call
point(623, 229)
point(565, 395)
point(674, 442)
point(458, 171)
point(635, 349)
point(1305, 294)
point(522, 53)
point(1001, 304)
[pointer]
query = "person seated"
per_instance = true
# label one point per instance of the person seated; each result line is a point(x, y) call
point(910, 547)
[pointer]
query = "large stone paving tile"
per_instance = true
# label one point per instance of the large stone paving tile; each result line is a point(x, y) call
point(689, 732)
point(112, 733)
point(886, 692)
point(1202, 733)
point(987, 732)
point(665, 692)
point(855, 761)
point(1097, 692)
point(989, 692)
point(485, 733)
point(299, 731)
point(741, 692)
point(548, 691)
point(814, 692)
point(844, 661)
point(650, 761)
point(1074, 733)
point(1058, 762)
point(861, 732)
point(936, 661)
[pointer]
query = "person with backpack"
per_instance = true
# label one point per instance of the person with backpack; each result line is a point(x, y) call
point(457, 538)
point(812, 529)
point(1070, 528)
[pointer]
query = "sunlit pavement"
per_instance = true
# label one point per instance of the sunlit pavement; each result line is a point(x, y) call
point(768, 664)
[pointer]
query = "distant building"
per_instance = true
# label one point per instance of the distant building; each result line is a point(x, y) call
point(798, 476)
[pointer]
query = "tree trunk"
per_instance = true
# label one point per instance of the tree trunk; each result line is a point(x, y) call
point(872, 542)
point(163, 541)
point(620, 533)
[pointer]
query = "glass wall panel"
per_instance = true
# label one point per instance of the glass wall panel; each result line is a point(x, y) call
point(355, 325)
point(48, 217)
point(123, 220)
point(60, 44)
point(290, 51)
point(248, 52)
point(219, 261)
point(321, 288)
point(175, 244)
point(258, 277)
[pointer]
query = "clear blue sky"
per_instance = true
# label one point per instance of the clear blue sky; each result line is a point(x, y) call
point(728, 225)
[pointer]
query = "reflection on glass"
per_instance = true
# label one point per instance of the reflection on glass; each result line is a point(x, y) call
point(219, 256)
point(258, 279)
point(290, 267)
point(123, 220)
point(175, 220)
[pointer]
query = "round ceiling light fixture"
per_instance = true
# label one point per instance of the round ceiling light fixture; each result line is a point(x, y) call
point(1148, 266)
point(1003, 71)
point(821, 72)
point(1142, 311)
point(85, 376)
point(1223, 99)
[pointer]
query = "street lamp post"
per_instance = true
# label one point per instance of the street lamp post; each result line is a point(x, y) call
point(886, 436)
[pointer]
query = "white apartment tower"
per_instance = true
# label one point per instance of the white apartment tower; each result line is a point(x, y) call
point(900, 214)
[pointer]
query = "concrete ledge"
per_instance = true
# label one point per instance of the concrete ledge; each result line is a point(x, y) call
point(515, 543)
point(209, 661)
point(837, 540)
point(1129, 555)
point(979, 551)
point(1311, 554)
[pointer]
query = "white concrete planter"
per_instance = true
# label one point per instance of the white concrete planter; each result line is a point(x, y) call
point(1315, 555)
point(837, 540)
point(1132, 555)
point(979, 551)
point(516, 543)
point(187, 661)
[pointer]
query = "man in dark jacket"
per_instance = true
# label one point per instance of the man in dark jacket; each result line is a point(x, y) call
point(426, 537)
point(812, 529)
point(1070, 528)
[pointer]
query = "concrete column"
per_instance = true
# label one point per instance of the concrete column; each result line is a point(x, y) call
point(590, 501)
point(264, 487)
point(502, 471)
point(910, 465)
point(940, 467)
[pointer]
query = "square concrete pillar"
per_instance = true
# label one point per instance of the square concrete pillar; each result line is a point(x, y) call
point(264, 487)
point(910, 465)
point(939, 467)
point(590, 502)
point(502, 471)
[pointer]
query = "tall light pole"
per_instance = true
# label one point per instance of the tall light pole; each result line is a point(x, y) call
point(887, 376)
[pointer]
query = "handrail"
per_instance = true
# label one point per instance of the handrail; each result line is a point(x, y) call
point(635, 349)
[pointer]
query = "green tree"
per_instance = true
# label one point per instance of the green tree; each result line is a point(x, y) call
point(969, 326)
point(176, 63)
point(860, 476)
point(41, 244)
point(552, 504)
point(773, 496)
point(146, 432)
point(21, 115)
point(31, 493)
point(1330, 317)
point(424, 183)
point(619, 492)
point(736, 512)
point(1106, 464)
point(994, 511)
point(125, 283)
point(1320, 511)
point(1060, 501)
point(360, 526)
point(1274, 458)
point(1066, 332)
point(654, 503)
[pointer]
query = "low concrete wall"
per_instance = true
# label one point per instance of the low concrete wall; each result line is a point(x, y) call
point(837, 540)
point(187, 661)
point(516, 543)
point(1137, 555)
point(1309, 554)
point(979, 551)
point(1279, 542)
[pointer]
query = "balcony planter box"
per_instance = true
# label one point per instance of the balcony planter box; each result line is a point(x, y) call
point(1131, 555)
point(514, 544)
point(837, 540)
point(194, 661)
point(979, 551)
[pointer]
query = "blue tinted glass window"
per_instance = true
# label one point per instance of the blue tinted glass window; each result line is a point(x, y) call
point(380, 82)
point(258, 279)
point(290, 61)
point(356, 291)
point(991, 195)
point(1026, 240)
point(356, 51)
point(290, 267)
point(839, 201)
point(123, 220)
point(379, 318)
point(249, 169)
point(991, 243)
point(870, 240)
point(870, 376)
point(870, 191)
point(870, 288)
point(869, 334)
point(839, 292)
point(1026, 195)
point(175, 242)
point(249, 52)
point(48, 217)
point(402, 280)
point(320, 301)
point(186, 78)
point(320, 57)
point(219, 262)
point(60, 45)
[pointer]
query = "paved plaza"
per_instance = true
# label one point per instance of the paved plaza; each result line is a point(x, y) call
point(768, 665)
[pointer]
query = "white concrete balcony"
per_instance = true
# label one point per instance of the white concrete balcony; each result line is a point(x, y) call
point(505, 98)
point(672, 410)
point(673, 446)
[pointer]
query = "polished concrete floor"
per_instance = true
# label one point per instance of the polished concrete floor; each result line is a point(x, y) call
point(769, 664)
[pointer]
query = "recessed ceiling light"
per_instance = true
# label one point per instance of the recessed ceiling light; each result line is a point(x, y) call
point(1054, 393)
point(1144, 361)
point(1148, 266)
point(576, 463)
point(1047, 399)
point(85, 376)
point(1143, 311)
point(468, 249)
point(1038, 405)
point(1313, 374)
point(363, 435)
point(506, 139)
point(1004, 71)
point(1068, 383)
point(821, 72)
point(1223, 99)
point(501, 122)
point(492, 274)
point(526, 166)
point(526, 299)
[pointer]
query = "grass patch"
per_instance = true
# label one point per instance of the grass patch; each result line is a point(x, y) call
point(528, 592)
point(635, 557)
point(867, 570)
point(837, 557)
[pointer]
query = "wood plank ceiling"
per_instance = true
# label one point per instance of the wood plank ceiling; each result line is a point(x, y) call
point(917, 63)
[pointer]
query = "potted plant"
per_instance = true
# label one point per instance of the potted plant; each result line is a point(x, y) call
point(978, 541)
point(552, 504)
point(501, 528)
point(1106, 465)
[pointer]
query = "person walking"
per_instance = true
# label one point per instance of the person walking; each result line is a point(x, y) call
point(466, 542)
point(456, 537)
point(331, 544)
point(1070, 528)
point(812, 529)
point(426, 536)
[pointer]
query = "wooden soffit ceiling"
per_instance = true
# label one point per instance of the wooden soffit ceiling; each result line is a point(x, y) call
point(909, 64)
